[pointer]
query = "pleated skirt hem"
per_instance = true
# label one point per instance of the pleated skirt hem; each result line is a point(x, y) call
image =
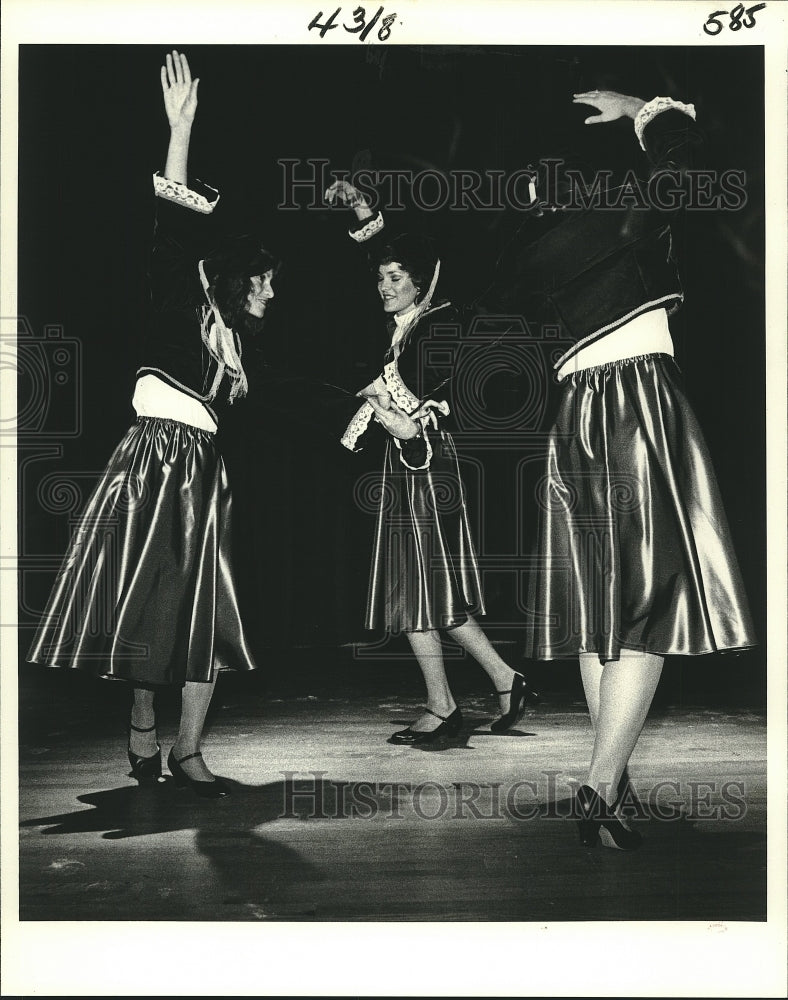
point(634, 550)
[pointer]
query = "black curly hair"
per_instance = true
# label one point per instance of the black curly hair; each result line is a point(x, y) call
point(414, 253)
point(230, 270)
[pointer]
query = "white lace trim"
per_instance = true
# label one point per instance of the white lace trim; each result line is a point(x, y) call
point(653, 108)
point(357, 426)
point(407, 402)
point(427, 460)
point(400, 393)
point(171, 190)
point(372, 227)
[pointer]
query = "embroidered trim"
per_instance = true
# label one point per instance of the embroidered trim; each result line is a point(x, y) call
point(171, 190)
point(357, 426)
point(400, 393)
point(654, 304)
point(372, 227)
point(653, 108)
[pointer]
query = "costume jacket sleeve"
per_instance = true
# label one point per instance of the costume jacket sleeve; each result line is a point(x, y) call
point(668, 134)
point(185, 230)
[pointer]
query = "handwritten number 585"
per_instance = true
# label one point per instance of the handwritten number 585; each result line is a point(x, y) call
point(714, 26)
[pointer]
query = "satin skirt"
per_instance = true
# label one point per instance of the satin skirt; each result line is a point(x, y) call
point(424, 572)
point(634, 548)
point(146, 590)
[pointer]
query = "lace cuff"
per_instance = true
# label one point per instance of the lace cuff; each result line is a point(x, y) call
point(171, 190)
point(357, 427)
point(653, 108)
point(400, 393)
point(368, 229)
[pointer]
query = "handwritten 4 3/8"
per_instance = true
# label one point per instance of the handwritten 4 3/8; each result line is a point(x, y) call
point(362, 26)
point(714, 25)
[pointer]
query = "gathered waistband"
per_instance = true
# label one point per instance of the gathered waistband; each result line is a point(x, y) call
point(169, 422)
point(612, 365)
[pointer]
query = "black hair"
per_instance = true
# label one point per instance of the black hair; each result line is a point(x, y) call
point(414, 253)
point(230, 270)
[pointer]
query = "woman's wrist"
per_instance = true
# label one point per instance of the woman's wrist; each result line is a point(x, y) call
point(362, 210)
point(180, 130)
point(633, 106)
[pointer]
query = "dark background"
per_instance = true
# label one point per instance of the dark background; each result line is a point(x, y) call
point(92, 130)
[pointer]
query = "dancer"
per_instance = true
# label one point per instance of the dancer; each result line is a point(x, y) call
point(424, 578)
point(153, 548)
point(635, 561)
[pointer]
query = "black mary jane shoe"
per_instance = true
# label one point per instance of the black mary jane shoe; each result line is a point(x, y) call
point(145, 769)
point(215, 789)
point(450, 726)
point(599, 822)
point(519, 696)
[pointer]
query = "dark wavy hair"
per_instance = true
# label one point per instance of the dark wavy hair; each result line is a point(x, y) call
point(414, 253)
point(230, 269)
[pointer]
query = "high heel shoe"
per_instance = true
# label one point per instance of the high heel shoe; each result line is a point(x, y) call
point(450, 726)
point(519, 696)
point(145, 769)
point(599, 822)
point(215, 789)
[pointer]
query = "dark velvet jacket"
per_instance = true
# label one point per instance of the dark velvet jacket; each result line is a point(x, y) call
point(173, 348)
point(586, 271)
point(428, 353)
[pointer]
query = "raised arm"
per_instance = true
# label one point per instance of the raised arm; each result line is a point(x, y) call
point(180, 103)
point(368, 223)
point(665, 128)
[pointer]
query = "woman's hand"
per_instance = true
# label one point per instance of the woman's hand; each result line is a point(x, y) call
point(376, 390)
point(426, 412)
point(180, 91)
point(609, 104)
point(344, 193)
point(396, 421)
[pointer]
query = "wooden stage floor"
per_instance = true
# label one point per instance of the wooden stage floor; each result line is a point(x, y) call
point(328, 822)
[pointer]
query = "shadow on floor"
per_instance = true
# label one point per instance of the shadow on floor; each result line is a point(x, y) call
point(332, 850)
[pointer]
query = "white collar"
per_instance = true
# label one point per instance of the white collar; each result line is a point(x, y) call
point(402, 318)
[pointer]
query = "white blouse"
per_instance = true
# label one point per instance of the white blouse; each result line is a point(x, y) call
point(155, 398)
point(648, 333)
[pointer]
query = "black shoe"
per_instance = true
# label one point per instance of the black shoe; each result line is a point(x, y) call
point(519, 696)
point(215, 789)
point(450, 726)
point(599, 822)
point(145, 769)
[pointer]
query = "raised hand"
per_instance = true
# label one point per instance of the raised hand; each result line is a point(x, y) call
point(343, 192)
point(179, 90)
point(609, 104)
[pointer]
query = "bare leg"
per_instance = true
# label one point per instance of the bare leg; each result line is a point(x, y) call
point(143, 716)
point(194, 707)
point(591, 675)
point(473, 640)
point(427, 649)
point(618, 704)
